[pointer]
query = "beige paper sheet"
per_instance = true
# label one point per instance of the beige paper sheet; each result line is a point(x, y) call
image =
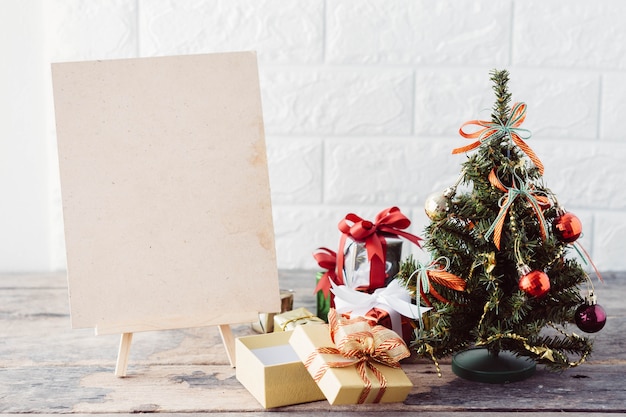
point(166, 197)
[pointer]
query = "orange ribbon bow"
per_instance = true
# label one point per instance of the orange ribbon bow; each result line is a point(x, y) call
point(390, 221)
point(510, 128)
point(436, 272)
point(536, 201)
point(327, 259)
point(361, 345)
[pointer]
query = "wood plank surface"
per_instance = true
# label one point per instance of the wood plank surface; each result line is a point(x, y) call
point(48, 368)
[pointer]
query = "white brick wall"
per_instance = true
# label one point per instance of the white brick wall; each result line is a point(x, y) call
point(363, 99)
point(24, 228)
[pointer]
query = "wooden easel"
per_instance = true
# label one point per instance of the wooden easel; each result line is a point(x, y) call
point(175, 149)
point(126, 339)
point(122, 355)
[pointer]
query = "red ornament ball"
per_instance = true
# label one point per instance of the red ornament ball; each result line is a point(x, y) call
point(590, 318)
point(567, 228)
point(535, 283)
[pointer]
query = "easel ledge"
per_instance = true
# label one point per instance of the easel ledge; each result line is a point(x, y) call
point(126, 339)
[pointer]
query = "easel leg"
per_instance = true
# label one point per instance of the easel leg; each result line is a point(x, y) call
point(229, 342)
point(122, 355)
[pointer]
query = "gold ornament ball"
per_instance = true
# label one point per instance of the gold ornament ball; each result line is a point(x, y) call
point(436, 206)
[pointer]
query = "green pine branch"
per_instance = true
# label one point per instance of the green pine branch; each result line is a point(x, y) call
point(501, 108)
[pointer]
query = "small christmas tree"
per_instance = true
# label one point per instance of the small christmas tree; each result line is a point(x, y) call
point(500, 278)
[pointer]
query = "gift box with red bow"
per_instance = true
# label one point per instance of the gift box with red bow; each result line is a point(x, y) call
point(369, 252)
point(391, 307)
point(352, 361)
point(357, 269)
point(368, 258)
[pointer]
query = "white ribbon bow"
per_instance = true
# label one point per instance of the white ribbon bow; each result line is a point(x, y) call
point(394, 299)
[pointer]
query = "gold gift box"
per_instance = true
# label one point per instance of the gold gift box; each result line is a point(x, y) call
point(268, 367)
point(290, 319)
point(343, 385)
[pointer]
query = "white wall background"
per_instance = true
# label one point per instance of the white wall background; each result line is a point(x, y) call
point(362, 102)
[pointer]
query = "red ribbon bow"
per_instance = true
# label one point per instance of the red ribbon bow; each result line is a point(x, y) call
point(390, 221)
point(326, 259)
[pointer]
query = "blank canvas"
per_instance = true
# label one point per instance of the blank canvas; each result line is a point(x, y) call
point(166, 198)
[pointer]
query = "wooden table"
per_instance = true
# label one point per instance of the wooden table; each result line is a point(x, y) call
point(48, 368)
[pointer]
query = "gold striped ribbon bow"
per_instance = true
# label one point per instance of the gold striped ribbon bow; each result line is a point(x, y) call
point(360, 345)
